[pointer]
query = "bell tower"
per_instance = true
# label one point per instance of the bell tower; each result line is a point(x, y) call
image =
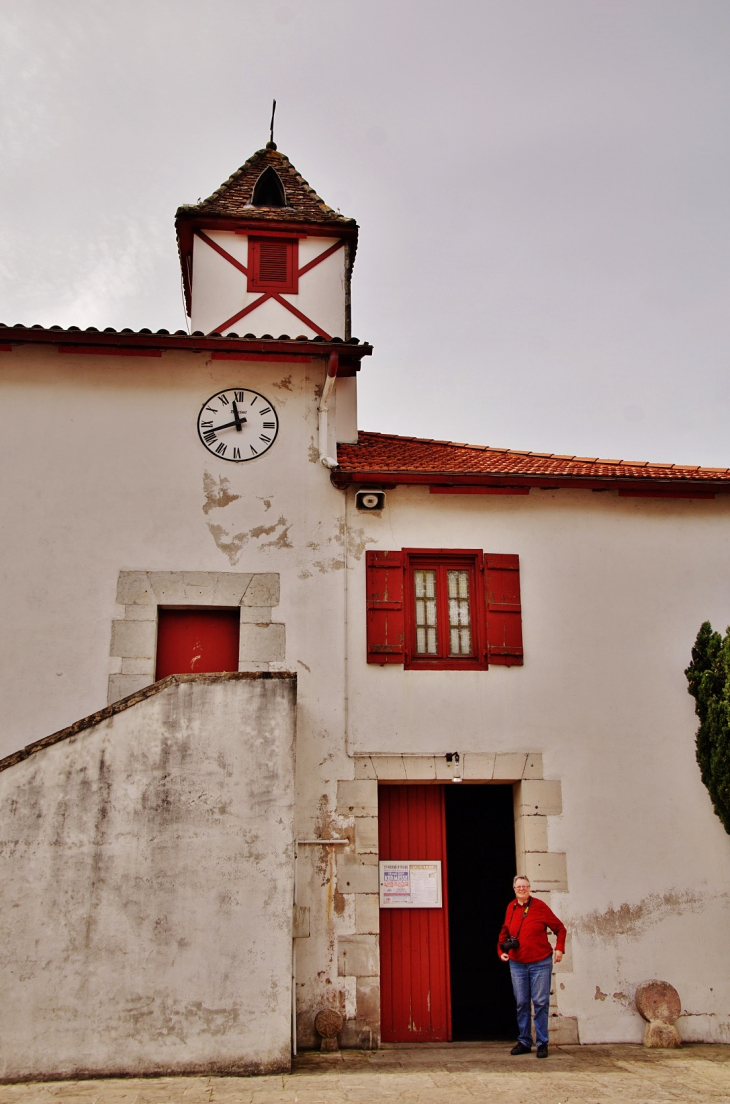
point(265, 256)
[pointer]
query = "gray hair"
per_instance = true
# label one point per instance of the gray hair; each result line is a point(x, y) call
point(520, 878)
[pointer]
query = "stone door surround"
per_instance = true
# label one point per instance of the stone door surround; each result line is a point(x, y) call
point(536, 798)
point(262, 642)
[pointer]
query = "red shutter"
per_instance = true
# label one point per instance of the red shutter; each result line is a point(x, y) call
point(504, 612)
point(272, 265)
point(385, 623)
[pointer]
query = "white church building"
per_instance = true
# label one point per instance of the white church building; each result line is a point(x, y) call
point(286, 703)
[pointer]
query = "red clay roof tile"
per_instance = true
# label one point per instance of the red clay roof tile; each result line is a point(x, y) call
point(383, 454)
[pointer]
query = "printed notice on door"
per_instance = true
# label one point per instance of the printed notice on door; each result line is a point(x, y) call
point(410, 884)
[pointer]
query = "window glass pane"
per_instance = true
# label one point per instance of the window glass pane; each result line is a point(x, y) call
point(459, 613)
point(425, 586)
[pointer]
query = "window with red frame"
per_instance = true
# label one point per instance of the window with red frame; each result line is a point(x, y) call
point(273, 265)
point(443, 610)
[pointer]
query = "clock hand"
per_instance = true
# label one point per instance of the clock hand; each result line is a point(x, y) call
point(237, 417)
point(229, 424)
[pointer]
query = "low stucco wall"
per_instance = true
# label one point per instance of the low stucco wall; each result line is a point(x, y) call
point(147, 868)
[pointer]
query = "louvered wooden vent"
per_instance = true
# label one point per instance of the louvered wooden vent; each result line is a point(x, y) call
point(273, 262)
point(272, 265)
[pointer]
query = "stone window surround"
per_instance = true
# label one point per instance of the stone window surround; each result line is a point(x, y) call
point(262, 642)
point(535, 799)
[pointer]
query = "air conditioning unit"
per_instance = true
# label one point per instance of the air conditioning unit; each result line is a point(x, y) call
point(370, 499)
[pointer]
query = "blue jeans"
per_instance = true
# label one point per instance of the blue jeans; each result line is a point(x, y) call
point(531, 982)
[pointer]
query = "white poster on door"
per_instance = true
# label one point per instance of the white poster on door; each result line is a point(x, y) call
point(410, 884)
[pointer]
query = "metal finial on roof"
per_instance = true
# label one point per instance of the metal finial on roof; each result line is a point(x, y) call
point(271, 144)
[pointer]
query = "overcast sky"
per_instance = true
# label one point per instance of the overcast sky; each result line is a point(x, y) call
point(543, 190)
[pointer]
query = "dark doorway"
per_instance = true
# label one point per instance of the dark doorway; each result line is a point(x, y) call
point(480, 847)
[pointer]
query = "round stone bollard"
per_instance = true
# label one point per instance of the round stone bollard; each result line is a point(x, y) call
point(328, 1024)
point(658, 1002)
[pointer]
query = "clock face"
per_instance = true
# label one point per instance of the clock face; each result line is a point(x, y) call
point(237, 425)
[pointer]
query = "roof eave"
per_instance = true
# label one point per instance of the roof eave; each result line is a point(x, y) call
point(351, 351)
point(652, 484)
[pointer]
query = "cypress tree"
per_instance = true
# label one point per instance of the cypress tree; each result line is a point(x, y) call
point(708, 676)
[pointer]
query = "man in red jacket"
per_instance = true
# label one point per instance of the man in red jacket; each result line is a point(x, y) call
point(530, 962)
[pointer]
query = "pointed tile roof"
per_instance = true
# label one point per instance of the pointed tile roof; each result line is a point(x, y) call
point(233, 198)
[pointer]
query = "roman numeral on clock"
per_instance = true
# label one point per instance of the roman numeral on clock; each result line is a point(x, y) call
point(266, 410)
point(269, 425)
point(263, 437)
point(236, 454)
point(203, 424)
point(253, 450)
point(209, 437)
point(221, 450)
point(239, 395)
point(224, 400)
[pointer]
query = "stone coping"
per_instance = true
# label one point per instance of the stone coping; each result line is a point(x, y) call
point(133, 699)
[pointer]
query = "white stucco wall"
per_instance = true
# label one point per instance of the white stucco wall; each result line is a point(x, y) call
point(147, 869)
point(114, 479)
point(613, 593)
point(118, 481)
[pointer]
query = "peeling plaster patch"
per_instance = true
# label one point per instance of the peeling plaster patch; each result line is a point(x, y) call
point(631, 920)
point(232, 545)
point(329, 565)
point(266, 530)
point(599, 995)
point(313, 452)
point(284, 385)
point(355, 540)
point(266, 502)
point(231, 548)
point(282, 541)
point(217, 496)
point(304, 665)
point(357, 543)
point(304, 574)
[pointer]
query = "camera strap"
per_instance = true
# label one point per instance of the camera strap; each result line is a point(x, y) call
point(524, 914)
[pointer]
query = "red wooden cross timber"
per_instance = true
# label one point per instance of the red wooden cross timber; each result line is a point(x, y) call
point(271, 294)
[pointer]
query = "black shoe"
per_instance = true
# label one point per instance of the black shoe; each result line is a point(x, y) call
point(542, 1050)
point(520, 1048)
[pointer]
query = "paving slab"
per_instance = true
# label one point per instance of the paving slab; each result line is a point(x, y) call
point(430, 1074)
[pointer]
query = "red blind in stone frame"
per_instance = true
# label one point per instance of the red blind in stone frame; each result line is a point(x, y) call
point(415, 987)
point(197, 641)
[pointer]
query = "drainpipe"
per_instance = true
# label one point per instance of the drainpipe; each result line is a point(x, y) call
point(329, 384)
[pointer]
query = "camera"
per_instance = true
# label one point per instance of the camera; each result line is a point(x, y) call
point(511, 943)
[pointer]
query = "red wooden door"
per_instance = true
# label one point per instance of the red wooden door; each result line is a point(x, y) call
point(414, 943)
point(197, 641)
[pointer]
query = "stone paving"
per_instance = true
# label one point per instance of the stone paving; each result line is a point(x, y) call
point(482, 1074)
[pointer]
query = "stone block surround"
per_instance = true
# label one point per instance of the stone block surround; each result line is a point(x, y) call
point(536, 799)
point(262, 642)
